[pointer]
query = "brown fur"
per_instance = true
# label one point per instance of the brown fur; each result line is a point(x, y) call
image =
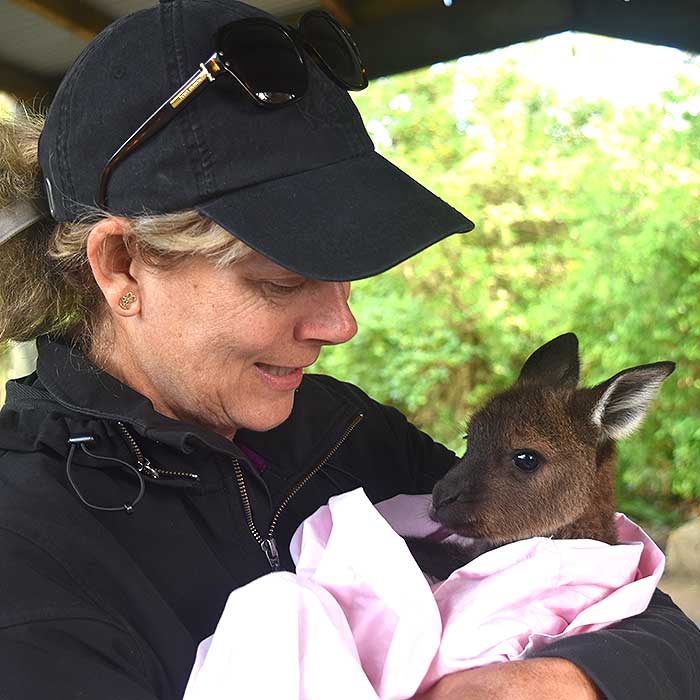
point(571, 493)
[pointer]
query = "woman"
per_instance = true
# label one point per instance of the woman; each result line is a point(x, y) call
point(167, 446)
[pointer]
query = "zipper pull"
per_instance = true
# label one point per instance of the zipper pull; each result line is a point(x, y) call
point(269, 546)
point(145, 466)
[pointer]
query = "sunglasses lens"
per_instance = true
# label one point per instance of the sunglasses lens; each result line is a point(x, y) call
point(335, 48)
point(265, 59)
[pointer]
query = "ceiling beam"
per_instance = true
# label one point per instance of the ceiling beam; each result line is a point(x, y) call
point(26, 86)
point(338, 9)
point(403, 43)
point(667, 23)
point(372, 11)
point(75, 16)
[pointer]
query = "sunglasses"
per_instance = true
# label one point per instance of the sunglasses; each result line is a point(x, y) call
point(267, 61)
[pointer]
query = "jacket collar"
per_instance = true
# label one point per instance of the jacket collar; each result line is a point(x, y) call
point(321, 411)
point(79, 386)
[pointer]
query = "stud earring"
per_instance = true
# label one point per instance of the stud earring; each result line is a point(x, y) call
point(127, 300)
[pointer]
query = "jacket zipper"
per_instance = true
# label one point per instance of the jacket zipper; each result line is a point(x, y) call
point(268, 543)
point(144, 464)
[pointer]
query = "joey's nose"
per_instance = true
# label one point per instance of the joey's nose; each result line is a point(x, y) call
point(443, 495)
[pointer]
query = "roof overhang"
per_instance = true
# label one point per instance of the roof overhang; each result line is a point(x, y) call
point(39, 39)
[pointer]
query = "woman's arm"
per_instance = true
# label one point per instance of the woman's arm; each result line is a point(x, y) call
point(68, 658)
point(57, 642)
point(533, 679)
point(655, 655)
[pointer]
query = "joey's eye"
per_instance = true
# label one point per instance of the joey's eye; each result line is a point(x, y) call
point(526, 460)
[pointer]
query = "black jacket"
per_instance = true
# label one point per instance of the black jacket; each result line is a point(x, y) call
point(112, 604)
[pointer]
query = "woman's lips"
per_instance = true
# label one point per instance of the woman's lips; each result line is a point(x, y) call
point(282, 378)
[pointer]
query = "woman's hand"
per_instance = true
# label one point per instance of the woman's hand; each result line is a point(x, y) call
point(533, 679)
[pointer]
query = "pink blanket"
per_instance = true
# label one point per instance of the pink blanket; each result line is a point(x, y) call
point(360, 621)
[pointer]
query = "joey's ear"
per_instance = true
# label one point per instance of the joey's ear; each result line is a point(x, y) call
point(623, 400)
point(554, 364)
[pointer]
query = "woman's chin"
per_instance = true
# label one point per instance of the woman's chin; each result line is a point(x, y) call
point(269, 415)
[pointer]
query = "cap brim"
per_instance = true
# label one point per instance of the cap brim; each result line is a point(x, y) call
point(345, 221)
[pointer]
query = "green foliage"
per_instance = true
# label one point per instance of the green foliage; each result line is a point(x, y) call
point(586, 221)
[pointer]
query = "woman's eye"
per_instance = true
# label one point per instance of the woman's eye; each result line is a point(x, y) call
point(527, 461)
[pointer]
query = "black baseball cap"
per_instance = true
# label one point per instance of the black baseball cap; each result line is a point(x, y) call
point(301, 184)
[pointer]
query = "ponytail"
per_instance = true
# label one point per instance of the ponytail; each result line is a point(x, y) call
point(35, 298)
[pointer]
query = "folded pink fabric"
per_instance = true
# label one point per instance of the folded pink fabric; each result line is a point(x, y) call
point(360, 621)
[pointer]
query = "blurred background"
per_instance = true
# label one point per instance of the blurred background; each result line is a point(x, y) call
point(569, 131)
point(578, 157)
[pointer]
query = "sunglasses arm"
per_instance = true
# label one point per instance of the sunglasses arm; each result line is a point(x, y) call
point(206, 74)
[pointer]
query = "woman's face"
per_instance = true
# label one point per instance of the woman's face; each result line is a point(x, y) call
point(225, 348)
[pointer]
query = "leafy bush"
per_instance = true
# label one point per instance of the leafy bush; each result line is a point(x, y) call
point(587, 220)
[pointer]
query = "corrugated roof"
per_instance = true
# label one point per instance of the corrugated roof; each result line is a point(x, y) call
point(393, 35)
point(285, 8)
point(117, 8)
point(34, 43)
point(281, 8)
point(42, 48)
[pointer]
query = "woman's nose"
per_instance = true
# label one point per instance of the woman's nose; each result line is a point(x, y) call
point(329, 319)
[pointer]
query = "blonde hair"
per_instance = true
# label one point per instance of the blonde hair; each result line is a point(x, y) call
point(46, 284)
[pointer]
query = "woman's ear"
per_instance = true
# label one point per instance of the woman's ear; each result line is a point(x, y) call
point(111, 262)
